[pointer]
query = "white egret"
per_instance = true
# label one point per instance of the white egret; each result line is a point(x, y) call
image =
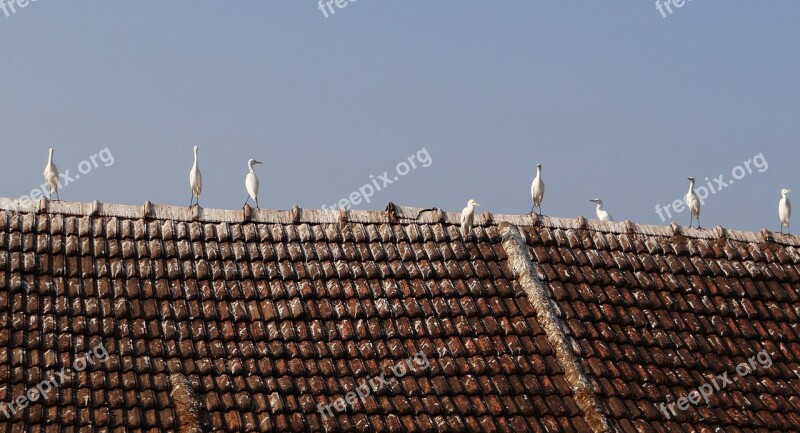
point(195, 180)
point(785, 209)
point(602, 215)
point(251, 182)
point(693, 203)
point(537, 189)
point(467, 217)
point(51, 175)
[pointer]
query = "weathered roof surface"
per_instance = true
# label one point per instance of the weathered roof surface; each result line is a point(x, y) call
point(656, 317)
point(537, 324)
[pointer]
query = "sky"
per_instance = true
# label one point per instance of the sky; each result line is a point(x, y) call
point(615, 100)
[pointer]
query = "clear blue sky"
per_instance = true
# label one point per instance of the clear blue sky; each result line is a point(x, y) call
point(613, 99)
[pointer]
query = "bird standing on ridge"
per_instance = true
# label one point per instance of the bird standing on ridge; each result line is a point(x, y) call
point(537, 189)
point(785, 209)
point(195, 180)
point(51, 175)
point(602, 215)
point(467, 217)
point(251, 182)
point(693, 203)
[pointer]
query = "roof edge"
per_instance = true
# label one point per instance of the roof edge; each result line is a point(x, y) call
point(394, 213)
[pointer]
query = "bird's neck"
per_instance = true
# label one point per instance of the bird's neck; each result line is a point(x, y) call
point(599, 206)
point(50, 158)
point(250, 165)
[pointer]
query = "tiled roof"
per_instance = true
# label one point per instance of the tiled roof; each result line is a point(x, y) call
point(249, 320)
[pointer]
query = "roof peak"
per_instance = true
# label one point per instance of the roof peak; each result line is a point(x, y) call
point(394, 213)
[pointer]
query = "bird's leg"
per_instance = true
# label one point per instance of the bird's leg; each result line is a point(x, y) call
point(540, 209)
point(698, 222)
point(532, 208)
point(246, 200)
point(57, 197)
point(256, 202)
point(691, 218)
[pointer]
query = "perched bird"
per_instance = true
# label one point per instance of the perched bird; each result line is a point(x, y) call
point(537, 189)
point(251, 182)
point(467, 216)
point(51, 175)
point(195, 180)
point(693, 203)
point(602, 215)
point(785, 209)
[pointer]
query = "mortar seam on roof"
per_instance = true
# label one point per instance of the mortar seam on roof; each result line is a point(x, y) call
point(319, 216)
point(523, 267)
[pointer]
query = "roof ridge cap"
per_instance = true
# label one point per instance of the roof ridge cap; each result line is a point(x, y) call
point(397, 213)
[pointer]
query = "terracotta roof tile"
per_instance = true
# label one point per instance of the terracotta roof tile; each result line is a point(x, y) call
point(270, 317)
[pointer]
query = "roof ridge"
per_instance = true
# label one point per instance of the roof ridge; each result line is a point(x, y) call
point(397, 214)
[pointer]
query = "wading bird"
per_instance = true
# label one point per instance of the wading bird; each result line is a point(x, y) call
point(467, 217)
point(785, 209)
point(251, 182)
point(693, 203)
point(195, 180)
point(602, 215)
point(51, 175)
point(537, 189)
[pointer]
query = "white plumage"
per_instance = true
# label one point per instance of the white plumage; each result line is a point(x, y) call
point(693, 203)
point(467, 217)
point(51, 175)
point(251, 182)
point(537, 189)
point(195, 180)
point(785, 209)
point(602, 214)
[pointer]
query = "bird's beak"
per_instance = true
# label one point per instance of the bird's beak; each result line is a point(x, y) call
point(257, 162)
point(477, 204)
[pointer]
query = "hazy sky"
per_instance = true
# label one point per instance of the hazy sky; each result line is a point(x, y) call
point(615, 100)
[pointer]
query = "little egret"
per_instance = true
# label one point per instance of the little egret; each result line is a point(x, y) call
point(785, 209)
point(195, 180)
point(251, 182)
point(537, 189)
point(602, 215)
point(467, 217)
point(51, 176)
point(693, 203)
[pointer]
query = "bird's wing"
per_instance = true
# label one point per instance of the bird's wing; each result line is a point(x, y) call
point(199, 180)
point(788, 208)
point(252, 185)
point(463, 217)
